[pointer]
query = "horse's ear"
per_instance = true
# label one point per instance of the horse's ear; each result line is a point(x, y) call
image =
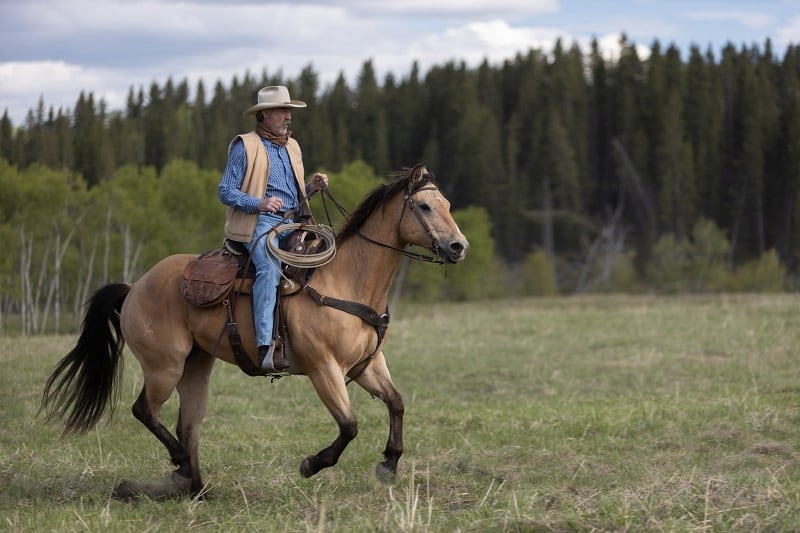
point(418, 173)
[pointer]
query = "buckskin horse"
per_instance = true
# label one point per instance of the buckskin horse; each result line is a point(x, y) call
point(177, 344)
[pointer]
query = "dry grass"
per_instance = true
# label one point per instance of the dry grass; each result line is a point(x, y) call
point(605, 413)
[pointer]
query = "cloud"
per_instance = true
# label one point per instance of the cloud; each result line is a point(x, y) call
point(459, 9)
point(788, 33)
point(22, 85)
point(494, 41)
point(747, 19)
point(110, 46)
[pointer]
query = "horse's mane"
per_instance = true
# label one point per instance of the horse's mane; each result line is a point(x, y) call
point(382, 194)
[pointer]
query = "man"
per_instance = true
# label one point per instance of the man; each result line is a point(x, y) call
point(263, 180)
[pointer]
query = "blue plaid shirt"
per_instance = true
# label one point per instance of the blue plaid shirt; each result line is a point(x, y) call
point(281, 181)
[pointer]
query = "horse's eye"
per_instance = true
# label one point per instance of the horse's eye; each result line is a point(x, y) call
point(425, 207)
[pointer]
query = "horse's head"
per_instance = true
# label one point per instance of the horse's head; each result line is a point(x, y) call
point(426, 220)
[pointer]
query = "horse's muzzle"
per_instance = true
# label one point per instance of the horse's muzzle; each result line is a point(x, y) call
point(455, 251)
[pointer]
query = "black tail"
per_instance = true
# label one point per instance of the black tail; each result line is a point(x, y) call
point(86, 380)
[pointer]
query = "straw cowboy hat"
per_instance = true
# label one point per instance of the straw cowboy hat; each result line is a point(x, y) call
point(272, 97)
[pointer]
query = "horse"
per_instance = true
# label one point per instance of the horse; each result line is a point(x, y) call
point(177, 344)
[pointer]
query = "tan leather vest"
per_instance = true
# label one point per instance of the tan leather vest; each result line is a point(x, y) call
point(239, 226)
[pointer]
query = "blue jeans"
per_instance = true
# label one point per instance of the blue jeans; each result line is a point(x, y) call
point(265, 286)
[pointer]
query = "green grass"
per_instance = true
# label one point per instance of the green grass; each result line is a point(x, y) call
point(608, 413)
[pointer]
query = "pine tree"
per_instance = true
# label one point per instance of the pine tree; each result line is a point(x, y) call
point(313, 126)
point(600, 153)
point(338, 110)
point(672, 159)
point(631, 143)
point(371, 135)
point(155, 136)
point(87, 140)
point(702, 116)
point(788, 241)
point(6, 138)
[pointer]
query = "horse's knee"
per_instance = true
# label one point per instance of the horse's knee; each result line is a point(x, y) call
point(349, 430)
point(396, 405)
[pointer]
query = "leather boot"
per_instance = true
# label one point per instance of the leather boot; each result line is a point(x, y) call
point(271, 356)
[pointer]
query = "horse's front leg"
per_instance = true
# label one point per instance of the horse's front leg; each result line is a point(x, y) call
point(332, 390)
point(377, 381)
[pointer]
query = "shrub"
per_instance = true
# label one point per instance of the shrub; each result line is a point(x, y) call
point(696, 264)
point(765, 274)
point(538, 275)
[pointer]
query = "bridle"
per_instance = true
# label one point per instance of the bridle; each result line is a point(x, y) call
point(408, 202)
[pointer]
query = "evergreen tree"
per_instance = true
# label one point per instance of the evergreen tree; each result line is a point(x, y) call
point(61, 133)
point(155, 136)
point(676, 181)
point(601, 119)
point(767, 72)
point(749, 196)
point(788, 241)
point(731, 155)
point(87, 138)
point(199, 125)
point(371, 135)
point(219, 130)
point(405, 105)
point(703, 126)
point(6, 138)
point(313, 126)
point(338, 110)
point(631, 142)
point(672, 163)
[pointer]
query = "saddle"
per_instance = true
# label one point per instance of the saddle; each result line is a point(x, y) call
point(220, 276)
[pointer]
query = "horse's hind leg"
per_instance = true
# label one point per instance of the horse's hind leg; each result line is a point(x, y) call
point(193, 391)
point(377, 381)
point(158, 386)
point(330, 386)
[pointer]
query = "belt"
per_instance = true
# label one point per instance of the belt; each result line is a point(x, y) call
point(281, 214)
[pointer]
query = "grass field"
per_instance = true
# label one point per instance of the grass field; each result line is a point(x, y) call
point(589, 413)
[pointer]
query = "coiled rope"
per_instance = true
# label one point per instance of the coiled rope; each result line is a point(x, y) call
point(311, 260)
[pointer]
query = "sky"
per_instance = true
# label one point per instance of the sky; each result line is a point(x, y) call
point(52, 50)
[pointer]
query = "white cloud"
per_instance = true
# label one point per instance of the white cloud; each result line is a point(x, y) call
point(789, 33)
point(451, 8)
point(474, 42)
point(59, 84)
point(755, 20)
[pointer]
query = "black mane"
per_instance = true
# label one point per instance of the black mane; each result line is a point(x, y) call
point(401, 183)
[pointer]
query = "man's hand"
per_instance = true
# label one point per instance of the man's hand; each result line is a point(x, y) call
point(272, 204)
point(318, 182)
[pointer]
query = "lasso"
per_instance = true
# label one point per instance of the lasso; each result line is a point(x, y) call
point(310, 260)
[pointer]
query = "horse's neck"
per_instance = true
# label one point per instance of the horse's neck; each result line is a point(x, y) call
point(363, 271)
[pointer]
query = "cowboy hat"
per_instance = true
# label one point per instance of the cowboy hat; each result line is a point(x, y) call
point(272, 97)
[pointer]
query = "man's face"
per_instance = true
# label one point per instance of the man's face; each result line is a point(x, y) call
point(278, 120)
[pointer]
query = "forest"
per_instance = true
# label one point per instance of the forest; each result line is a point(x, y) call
point(568, 171)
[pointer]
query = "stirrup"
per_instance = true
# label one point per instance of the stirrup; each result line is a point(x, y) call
point(266, 362)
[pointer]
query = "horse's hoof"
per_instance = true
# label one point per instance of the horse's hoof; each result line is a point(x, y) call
point(182, 484)
point(305, 467)
point(126, 492)
point(385, 474)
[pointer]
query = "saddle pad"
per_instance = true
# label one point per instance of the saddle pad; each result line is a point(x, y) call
point(209, 279)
